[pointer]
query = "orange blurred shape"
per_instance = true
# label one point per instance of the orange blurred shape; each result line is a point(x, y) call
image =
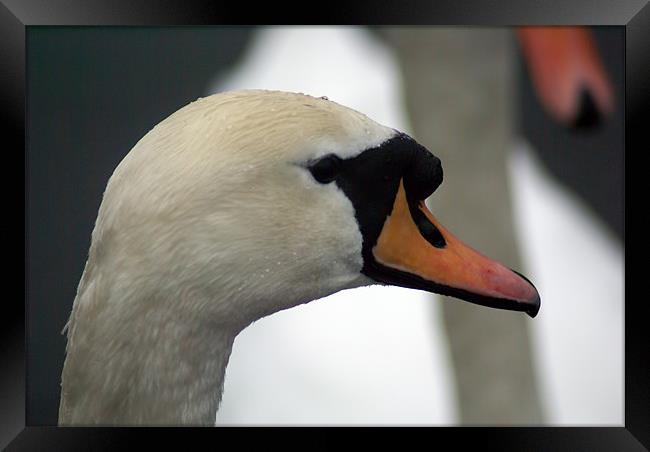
point(567, 72)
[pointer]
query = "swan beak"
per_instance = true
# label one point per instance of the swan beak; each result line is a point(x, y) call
point(413, 250)
point(568, 74)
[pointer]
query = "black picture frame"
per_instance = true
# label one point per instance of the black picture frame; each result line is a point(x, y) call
point(16, 16)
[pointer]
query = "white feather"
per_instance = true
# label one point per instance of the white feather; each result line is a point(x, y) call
point(208, 224)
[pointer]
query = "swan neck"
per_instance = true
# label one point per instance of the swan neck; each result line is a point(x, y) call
point(160, 367)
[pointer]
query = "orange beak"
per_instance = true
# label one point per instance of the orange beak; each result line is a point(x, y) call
point(407, 258)
point(568, 75)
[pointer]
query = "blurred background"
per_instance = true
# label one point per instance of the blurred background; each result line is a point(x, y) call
point(529, 127)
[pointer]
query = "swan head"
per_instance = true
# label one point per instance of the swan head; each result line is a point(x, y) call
point(245, 203)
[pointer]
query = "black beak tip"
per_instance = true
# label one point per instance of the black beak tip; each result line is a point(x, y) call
point(533, 306)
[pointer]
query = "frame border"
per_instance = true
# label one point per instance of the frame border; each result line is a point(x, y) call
point(17, 15)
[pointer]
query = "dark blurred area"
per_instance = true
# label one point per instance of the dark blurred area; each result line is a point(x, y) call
point(92, 94)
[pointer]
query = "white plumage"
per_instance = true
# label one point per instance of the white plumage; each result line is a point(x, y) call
point(208, 224)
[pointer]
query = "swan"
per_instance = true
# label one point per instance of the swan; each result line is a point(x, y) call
point(237, 206)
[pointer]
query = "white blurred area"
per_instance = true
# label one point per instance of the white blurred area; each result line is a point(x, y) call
point(578, 268)
point(378, 355)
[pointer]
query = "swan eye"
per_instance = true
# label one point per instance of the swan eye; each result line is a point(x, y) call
point(326, 169)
